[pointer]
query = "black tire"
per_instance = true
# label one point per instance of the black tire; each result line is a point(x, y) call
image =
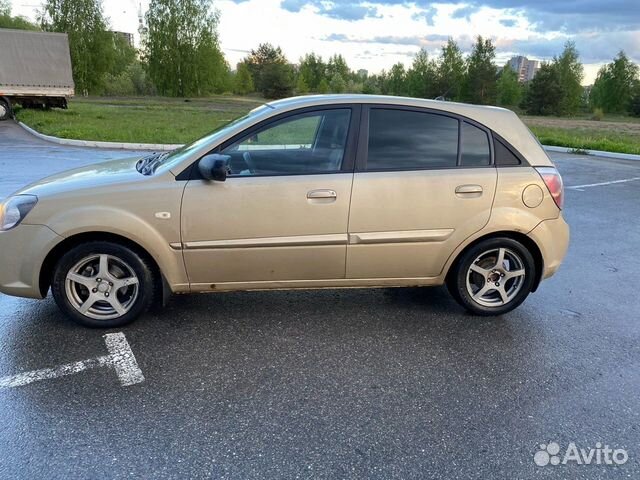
point(138, 265)
point(5, 110)
point(460, 274)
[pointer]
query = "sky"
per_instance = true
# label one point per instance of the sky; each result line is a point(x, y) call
point(375, 34)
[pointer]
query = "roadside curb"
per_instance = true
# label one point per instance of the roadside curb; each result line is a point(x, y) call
point(595, 153)
point(99, 144)
point(168, 147)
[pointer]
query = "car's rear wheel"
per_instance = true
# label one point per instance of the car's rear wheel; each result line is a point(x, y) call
point(103, 284)
point(493, 277)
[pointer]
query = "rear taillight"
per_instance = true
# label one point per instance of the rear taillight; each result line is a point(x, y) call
point(553, 181)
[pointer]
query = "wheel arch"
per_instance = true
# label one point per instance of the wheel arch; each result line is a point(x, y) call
point(49, 263)
point(527, 241)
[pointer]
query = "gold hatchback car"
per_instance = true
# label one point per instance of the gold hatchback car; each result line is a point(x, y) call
point(311, 192)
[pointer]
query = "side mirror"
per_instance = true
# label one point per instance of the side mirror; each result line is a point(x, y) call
point(214, 167)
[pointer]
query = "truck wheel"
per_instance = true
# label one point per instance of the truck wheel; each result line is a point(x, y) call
point(5, 110)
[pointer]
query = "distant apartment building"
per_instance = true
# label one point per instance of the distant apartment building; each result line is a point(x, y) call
point(362, 73)
point(127, 36)
point(525, 69)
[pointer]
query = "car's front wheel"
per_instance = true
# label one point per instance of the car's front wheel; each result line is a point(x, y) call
point(103, 284)
point(493, 277)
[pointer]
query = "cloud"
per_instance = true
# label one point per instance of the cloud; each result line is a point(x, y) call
point(592, 48)
point(429, 41)
point(508, 22)
point(546, 15)
point(349, 11)
point(426, 15)
point(465, 12)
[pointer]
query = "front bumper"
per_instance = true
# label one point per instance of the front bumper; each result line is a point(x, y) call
point(22, 253)
point(552, 237)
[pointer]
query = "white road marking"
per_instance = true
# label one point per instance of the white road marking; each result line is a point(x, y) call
point(589, 185)
point(120, 358)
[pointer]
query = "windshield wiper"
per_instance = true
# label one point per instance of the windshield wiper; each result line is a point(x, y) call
point(146, 165)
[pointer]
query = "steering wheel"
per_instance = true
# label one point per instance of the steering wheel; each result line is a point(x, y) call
point(251, 165)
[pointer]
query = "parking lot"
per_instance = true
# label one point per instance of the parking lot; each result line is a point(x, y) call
point(361, 383)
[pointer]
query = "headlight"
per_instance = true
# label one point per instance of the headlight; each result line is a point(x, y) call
point(13, 211)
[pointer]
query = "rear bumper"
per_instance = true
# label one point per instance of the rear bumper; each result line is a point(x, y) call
point(22, 253)
point(552, 237)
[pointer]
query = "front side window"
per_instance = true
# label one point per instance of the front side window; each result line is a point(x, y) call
point(409, 140)
point(301, 144)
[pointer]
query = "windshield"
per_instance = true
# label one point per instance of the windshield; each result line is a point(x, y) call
point(167, 160)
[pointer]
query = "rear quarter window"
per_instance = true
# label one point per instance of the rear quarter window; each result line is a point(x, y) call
point(503, 154)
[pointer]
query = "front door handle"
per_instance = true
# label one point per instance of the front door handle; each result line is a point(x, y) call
point(469, 190)
point(316, 194)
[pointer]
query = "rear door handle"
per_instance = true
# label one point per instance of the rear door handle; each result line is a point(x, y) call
point(315, 194)
point(469, 190)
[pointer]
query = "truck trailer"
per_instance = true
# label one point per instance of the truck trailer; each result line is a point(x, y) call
point(35, 70)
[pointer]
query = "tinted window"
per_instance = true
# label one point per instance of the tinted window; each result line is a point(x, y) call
point(504, 155)
point(475, 146)
point(400, 139)
point(301, 144)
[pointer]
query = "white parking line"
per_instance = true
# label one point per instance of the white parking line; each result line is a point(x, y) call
point(120, 358)
point(589, 185)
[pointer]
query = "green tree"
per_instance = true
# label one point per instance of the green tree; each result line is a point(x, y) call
point(243, 82)
point(508, 87)
point(181, 48)
point(123, 54)
point(323, 87)
point(634, 104)
point(337, 83)
point(277, 80)
point(90, 44)
point(615, 85)
point(272, 74)
point(450, 72)
point(8, 21)
point(371, 85)
point(301, 86)
point(313, 70)
point(480, 85)
point(421, 76)
point(397, 80)
point(544, 93)
point(142, 84)
point(338, 65)
point(570, 75)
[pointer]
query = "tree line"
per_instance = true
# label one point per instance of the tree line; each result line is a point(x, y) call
point(180, 56)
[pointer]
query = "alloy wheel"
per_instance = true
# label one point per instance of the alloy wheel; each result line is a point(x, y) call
point(102, 287)
point(495, 277)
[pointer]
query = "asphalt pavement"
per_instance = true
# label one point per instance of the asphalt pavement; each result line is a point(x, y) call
point(363, 383)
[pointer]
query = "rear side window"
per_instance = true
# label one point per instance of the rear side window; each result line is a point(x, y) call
point(504, 155)
point(475, 146)
point(407, 140)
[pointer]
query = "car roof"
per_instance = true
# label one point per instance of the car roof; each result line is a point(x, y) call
point(474, 112)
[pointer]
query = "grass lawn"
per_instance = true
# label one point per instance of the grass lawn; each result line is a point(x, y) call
point(613, 134)
point(138, 120)
point(164, 120)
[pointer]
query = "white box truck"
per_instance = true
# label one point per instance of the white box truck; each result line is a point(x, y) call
point(35, 70)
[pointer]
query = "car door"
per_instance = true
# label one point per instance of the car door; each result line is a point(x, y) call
point(282, 213)
point(424, 182)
